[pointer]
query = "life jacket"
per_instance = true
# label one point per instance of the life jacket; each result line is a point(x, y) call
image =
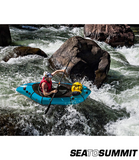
point(49, 85)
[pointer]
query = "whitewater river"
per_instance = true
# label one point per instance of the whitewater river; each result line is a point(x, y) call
point(111, 110)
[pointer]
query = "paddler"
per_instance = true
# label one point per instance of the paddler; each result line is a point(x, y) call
point(46, 83)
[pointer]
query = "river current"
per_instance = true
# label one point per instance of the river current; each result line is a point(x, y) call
point(111, 110)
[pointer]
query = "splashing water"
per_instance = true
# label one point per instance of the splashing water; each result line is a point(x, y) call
point(111, 110)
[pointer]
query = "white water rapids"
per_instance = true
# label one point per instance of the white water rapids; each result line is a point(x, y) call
point(120, 91)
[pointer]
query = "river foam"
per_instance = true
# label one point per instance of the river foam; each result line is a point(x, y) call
point(119, 91)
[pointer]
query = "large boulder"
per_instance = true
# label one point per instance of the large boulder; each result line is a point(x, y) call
point(86, 59)
point(114, 34)
point(23, 51)
point(5, 36)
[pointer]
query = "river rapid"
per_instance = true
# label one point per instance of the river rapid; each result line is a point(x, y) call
point(111, 110)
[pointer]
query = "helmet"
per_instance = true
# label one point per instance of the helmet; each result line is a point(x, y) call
point(76, 88)
point(47, 74)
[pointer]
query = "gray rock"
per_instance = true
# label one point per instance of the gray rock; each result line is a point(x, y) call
point(87, 59)
point(115, 34)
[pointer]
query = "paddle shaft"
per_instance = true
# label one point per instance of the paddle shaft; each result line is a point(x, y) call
point(57, 88)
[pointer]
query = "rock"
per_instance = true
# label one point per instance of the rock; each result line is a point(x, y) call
point(24, 51)
point(87, 59)
point(5, 36)
point(115, 34)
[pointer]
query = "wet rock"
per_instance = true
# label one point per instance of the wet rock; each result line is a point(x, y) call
point(115, 34)
point(87, 59)
point(5, 36)
point(24, 51)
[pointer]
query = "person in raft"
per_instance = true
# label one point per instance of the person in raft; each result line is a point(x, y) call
point(46, 83)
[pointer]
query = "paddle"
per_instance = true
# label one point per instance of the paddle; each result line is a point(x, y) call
point(56, 88)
